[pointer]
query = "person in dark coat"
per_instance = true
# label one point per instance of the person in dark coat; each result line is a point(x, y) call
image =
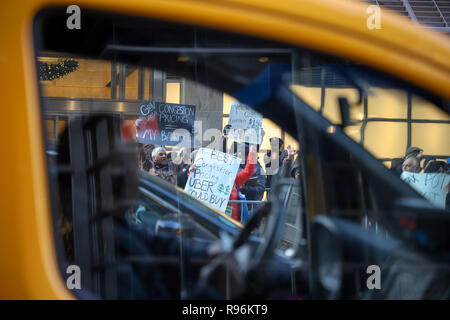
point(226, 130)
point(396, 166)
point(274, 157)
point(411, 152)
point(435, 166)
point(411, 164)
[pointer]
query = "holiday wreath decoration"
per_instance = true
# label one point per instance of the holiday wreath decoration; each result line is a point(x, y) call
point(52, 71)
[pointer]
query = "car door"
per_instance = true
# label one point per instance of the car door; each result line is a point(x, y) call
point(159, 199)
point(178, 200)
point(359, 219)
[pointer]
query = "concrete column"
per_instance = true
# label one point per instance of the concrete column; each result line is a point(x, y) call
point(158, 92)
point(208, 105)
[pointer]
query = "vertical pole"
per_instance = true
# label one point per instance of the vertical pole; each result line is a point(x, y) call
point(113, 80)
point(322, 90)
point(408, 143)
point(141, 82)
point(150, 85)
point(366, 114)
point(183, 93)
point(122, 70)
point(55, 128)
point(158, 85)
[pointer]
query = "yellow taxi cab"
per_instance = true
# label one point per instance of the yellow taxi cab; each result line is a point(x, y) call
point(349, 88)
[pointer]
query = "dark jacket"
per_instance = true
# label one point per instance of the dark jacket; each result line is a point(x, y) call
point(268, 164)
point(166, 172)
point(183, 176)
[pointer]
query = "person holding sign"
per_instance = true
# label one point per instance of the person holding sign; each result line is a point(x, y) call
point(158, 121)
point(240, 178)
point(411, 164)
point(254, 188)
point(246, 124)
point(432, 186)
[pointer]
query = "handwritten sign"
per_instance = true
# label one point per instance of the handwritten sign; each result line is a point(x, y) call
point(213, 178)
point(159, 120)
point(430, 185)
point(245, 124)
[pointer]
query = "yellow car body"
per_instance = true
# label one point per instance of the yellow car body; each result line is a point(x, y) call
point(28, 268)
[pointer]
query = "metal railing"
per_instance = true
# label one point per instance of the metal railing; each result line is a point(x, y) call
point(440, 13)
point(410, 11)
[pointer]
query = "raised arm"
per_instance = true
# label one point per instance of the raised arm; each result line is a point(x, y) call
point(245, 174)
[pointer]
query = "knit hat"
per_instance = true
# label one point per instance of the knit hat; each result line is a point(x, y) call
point(412, 150)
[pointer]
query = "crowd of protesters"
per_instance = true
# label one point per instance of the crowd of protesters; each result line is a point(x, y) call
point(252, 180)
point(411, 162)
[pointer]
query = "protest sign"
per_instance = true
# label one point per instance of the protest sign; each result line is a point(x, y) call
point(245, 124)
point(158, 120)
point(213, 178)
point(430, 185)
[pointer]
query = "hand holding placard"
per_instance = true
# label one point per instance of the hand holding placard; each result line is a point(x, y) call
point(429, 185)
point(211, 177)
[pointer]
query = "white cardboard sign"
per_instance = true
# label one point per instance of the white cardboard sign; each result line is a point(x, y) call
point(213, 178)
point(430, 185)
point(245, 124)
